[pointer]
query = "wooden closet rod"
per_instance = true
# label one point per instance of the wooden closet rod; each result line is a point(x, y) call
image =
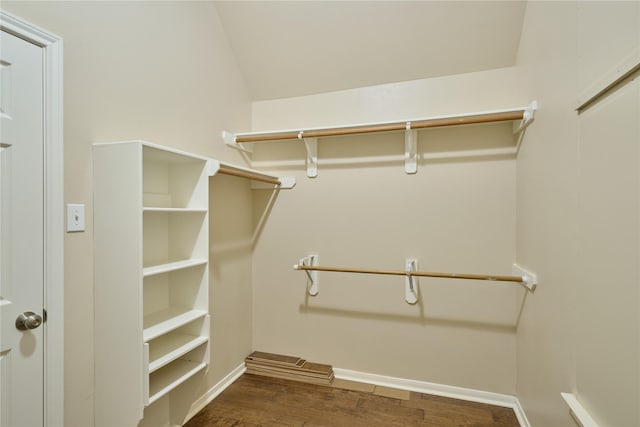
point(256, 176)
point(507, 116)
point(517, 279)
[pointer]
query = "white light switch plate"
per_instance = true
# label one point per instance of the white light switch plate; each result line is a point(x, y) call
point(75, 217)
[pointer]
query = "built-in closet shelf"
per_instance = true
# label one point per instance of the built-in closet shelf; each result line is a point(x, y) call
point(152, 329)
point(164, 321)
point(165, 349)
point(172, 266)
point(171, 376)
point(174, 210)
point(522, 115)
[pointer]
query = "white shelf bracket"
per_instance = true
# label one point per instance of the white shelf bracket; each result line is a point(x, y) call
point(527, 117)
point(411, 282)
point(213, 166)
point(312, 283)
point(311, 144)
point(529, 279)
point(410, 150)
point(230, 141)
point(287, 183)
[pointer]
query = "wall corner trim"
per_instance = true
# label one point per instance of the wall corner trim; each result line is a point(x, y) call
point(214, 391)
point(498, 399)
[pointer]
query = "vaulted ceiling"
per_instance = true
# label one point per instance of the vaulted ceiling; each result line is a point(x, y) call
point(294, 48)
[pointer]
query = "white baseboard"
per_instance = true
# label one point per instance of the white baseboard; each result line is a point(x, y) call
point(522, 417)
point(214, 391)
point(468, 394)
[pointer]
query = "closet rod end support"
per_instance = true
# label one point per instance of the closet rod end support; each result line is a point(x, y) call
point(287, 182)
point(229, 139)
point(529, 279)
point(527, 117)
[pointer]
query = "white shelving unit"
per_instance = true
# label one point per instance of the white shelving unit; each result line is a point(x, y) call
point(151, 281)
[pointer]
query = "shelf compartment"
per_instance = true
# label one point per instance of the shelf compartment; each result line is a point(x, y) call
point(171, 235)
point(167, 320)
point(187, 342)
point(172, 266)
point(173, 180)
point(184, 288)
point(171, 376)
point(167, 348)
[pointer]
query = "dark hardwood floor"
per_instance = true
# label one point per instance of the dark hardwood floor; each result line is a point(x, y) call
point(254, 401)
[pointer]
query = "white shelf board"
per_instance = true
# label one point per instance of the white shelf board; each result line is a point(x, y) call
point(161, 322)
point(165, 380)
point(578, 411)
point(168, 348)
point(171, 266)
point(171, 210)
point(170, 155)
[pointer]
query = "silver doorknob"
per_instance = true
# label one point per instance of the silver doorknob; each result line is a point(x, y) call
point(28, 320)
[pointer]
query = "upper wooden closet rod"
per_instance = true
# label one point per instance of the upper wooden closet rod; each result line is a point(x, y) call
point(517, 279)
point(503, 116)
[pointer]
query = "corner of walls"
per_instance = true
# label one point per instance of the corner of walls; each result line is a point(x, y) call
point(546, 205)
point(565, 46)
point(231, 246)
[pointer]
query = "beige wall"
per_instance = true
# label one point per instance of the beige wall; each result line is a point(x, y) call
point(456, 214)
point(577, 216)
point(163, 72)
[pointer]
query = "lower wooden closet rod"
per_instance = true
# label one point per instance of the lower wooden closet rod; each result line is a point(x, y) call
point(226, 170)
point(517, 279)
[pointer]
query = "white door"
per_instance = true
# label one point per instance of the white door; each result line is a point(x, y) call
point(21, 233)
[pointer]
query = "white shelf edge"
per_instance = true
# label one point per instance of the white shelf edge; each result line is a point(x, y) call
point(578, 411)
point(385, 122)
point(627, 66)
point(173, 151)
point(172, 266)
point(184, 370)
point(170, 319)
point(184, 346)
point(186, 210)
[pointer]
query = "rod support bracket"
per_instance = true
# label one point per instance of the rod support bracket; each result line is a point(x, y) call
point(529, 279)
point(410, 281)
point(312, 283)
point(311, 145)
point(410, 150)
point(229, 139)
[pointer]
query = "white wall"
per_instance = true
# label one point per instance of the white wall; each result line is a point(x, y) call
point(455, 214)
point(163, 72)
point(578, 216)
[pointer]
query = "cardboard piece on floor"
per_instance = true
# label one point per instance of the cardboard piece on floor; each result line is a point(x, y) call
point(275, 359)
point(392, 392)
point(353, 385)
point(288, 367)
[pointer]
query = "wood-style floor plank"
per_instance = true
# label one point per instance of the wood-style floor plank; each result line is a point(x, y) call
point(257, 401)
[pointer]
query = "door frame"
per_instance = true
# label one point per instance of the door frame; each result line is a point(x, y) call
point(52, 46)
